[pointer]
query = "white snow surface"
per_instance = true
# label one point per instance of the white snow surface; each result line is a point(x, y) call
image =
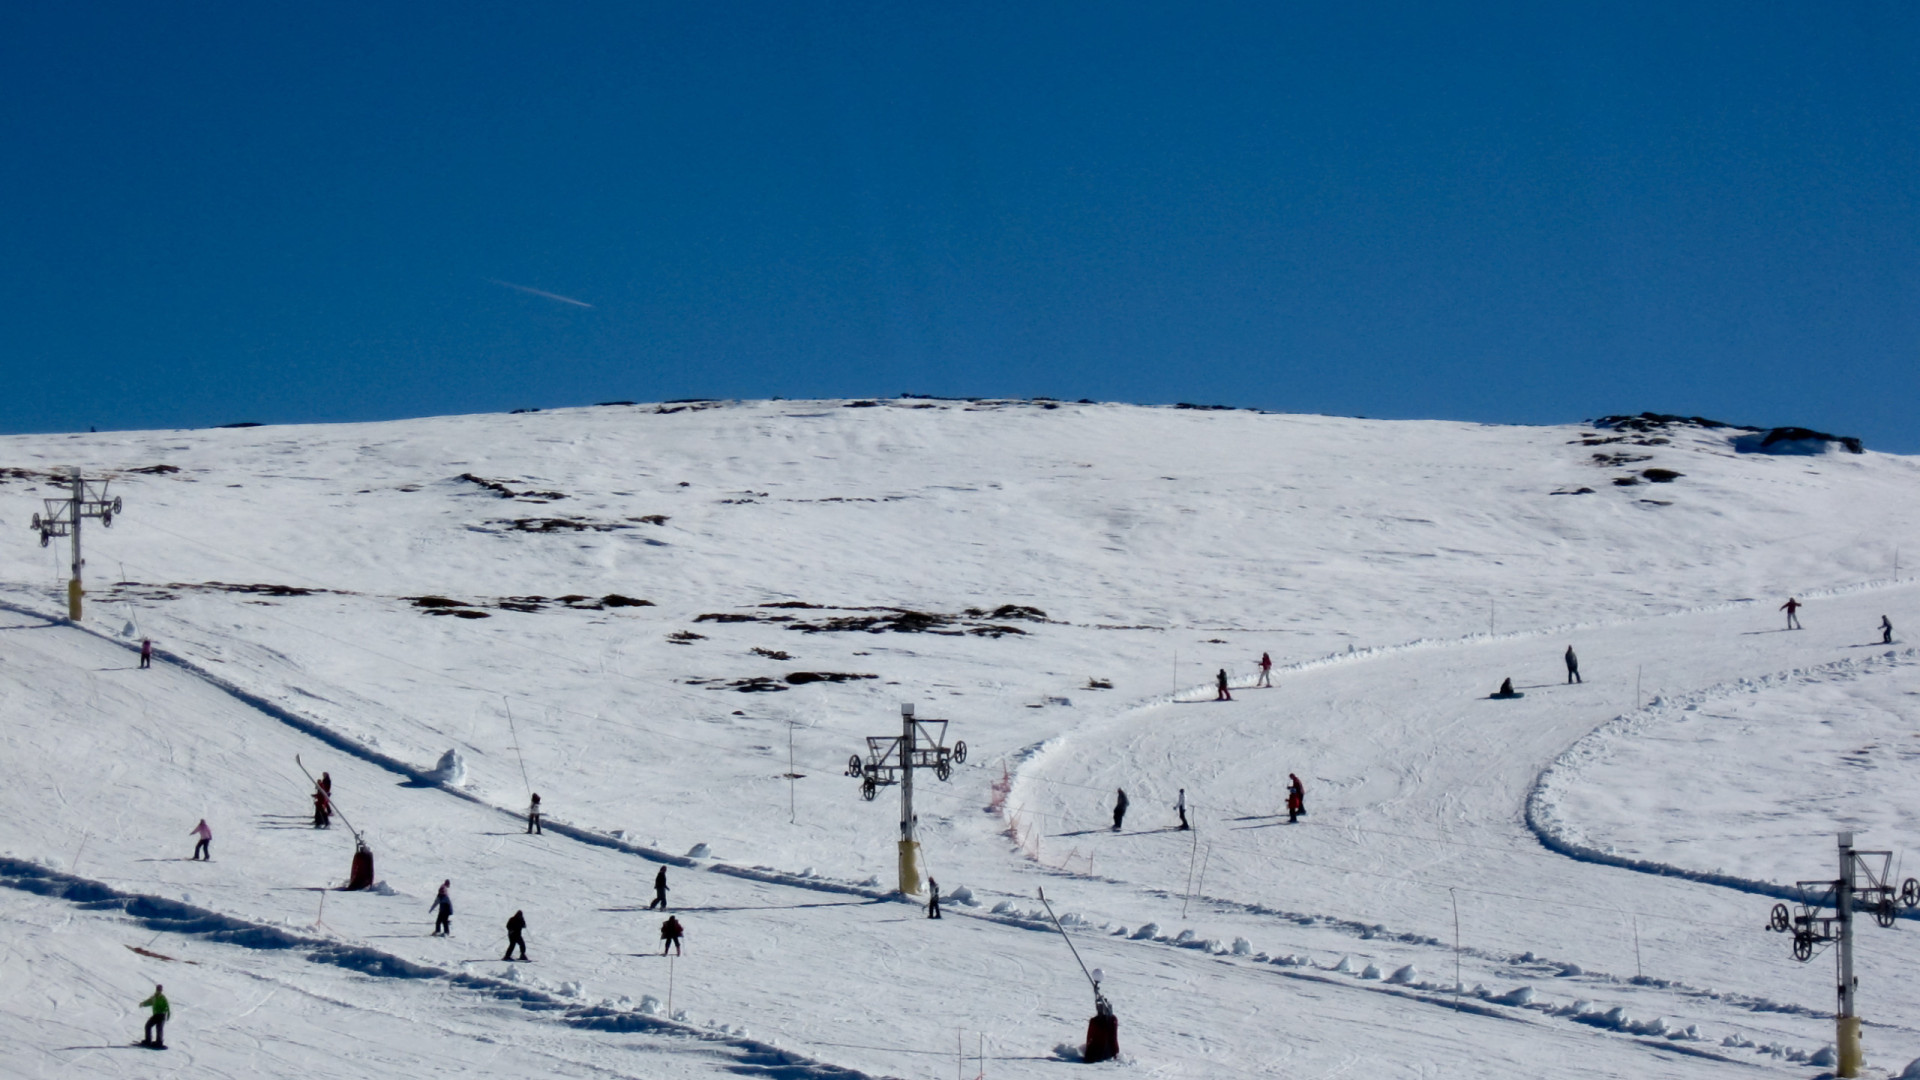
point(1609, 849)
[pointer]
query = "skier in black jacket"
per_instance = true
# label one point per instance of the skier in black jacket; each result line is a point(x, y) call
point(1119, 809)
point(659, 890)
point(516, 927)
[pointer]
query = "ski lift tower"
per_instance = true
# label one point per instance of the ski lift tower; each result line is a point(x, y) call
point(891, 759)
point(87, 500)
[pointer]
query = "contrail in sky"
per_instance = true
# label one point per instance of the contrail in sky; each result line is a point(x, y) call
point(542, 292)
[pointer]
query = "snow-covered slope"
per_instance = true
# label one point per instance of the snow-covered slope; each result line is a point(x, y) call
point(372, 596)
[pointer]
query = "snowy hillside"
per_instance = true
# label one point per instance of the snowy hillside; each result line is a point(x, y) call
point(641, 611)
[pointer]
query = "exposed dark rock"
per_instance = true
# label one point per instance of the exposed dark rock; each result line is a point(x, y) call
point(771, 654)
point(801, 678)
point(1661, 476)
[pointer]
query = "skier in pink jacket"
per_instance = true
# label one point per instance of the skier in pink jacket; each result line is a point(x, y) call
point(204, 849)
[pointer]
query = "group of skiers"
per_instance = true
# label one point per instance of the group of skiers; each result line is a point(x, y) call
point(1296, 806)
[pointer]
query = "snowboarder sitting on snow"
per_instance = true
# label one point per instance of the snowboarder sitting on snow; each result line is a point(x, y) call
point(1119, 808)
point(533, 815)
point(1296, 798)
point(443, 911)
point(659, 890)
point(1573, 667)
point(1506, 689)
point(516, 926)
point(933, 905)
point(1221, 693)
point(1791, 606)
point(1886, 631)
point(156, 1033)
point(203, 849)
point(670, 932)
point(1180, 807)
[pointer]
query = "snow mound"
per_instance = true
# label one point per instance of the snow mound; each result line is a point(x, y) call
point(1404, 976)
point(1519, 996)
point(962, 895)
point(1147, 932)
point(452, 769)
point(1242, 947)
point(698, 851)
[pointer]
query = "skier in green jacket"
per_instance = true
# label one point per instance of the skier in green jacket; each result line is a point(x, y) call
point(156, 1034)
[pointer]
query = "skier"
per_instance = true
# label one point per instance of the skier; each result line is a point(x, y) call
point(670, 932)
point(443, 911)
point(1506, 689)
point(1181, 808)
point(1886, 631)
point(146, 652)
point(1119, 808)
point(1573, 667)
point(533, 815)
point(1296, 798)
point(933, 905)
point(322, 809)
point(516, 926)
point(1266, 671)
point(156, 1033)
point(203, 849)
point(1790, 607)
point(659, 890)
point(1221, 693)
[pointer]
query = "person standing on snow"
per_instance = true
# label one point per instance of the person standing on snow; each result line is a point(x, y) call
point(1573, 667)
point(1791, 606)
point(670, 934)
point(533, 815)
point(1886, 631)
point(146, 652)
point(659, 890)
point(933, 904)
point(443, 911)
point(1180, 807)
point(1221, 693)
point(203, 849)
point(1119, 808)
point(1266, 671)
point(156, 1032)
point(1296, 798)
point(322, 809)
point(516, 927)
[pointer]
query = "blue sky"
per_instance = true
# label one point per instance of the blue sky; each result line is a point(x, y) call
point(1518, 213)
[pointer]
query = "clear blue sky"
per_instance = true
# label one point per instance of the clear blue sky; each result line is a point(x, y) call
point(1511, 213)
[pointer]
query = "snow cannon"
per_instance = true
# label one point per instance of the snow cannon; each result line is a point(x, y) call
point(361, 876)
point(1103, 1032)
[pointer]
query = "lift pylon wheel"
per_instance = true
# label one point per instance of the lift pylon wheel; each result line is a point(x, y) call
point(868, 789)
point(959, 753)
point(854, 768)
point(1779, 922)
point(1883, 912)
point(1803, 946)
point(943, 771)
point(1910, 892)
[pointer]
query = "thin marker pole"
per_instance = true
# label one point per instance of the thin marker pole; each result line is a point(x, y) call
point(1637, 974)
point(516, 745)
point(1192, 853)
point(1456, 948)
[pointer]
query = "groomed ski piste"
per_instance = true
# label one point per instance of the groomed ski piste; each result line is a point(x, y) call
point(1061, 582)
